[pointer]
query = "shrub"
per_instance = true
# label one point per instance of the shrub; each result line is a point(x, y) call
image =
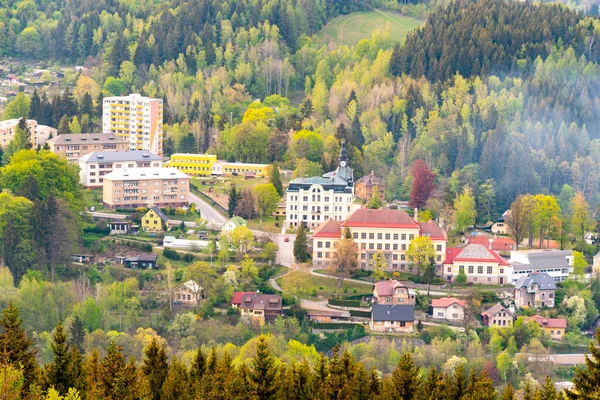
point(187, 257)
point(363, 314)
point(171, 254)
point(344, 303)
point(335, 325)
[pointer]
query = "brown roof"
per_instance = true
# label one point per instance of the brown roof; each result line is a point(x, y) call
point(370, 180)
point(81, 138)
point(255, 301)
point(237, 297)
point(329, 229)
point(445, 302)
point(548, 322)
point(380, 218)
point(490, 312)
point(432, 230)
point(386, 288)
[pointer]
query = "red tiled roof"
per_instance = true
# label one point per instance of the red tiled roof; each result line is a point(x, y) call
point(473, 253)
point(548, 322)
point(381, 218)
point(237, 297)
point(432, 230)
point(386, 288)
point(444, 302)
point(498, 243)
point(329, 229)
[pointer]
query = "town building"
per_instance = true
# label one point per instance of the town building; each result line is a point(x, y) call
point(231, 224)
point(141, 261)
point(38, 134)
point(188, 293)
point(261, 308)
point(193, 164)
point(554, 326)
point(364, 187)
point(480, 265)
point(556, 263)
point(500, 244)
point(392, 318)
point(392, 292)
point(328, 316)
point(141, 187)
point(224, 168)
point(537, 289)
point(448, 308)
point(154, 220)
point(373, 230)
point(76, 145)
point(135, 118)
point(185, 244)
point(312, 201)
point(498, 315)
point(93, 166)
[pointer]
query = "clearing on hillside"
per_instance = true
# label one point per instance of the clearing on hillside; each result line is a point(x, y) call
point(352, 28)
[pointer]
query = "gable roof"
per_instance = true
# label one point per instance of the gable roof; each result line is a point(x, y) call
point(190, 285)
point(237, 297)
point(548, 322)
point(380, 218)
point(160, 214)
point(542, 259)
point(256, 301)
point(542, 279)
point(329, 229)
point(499, 243)
point(495, 309)
point(386, 288)
point(237, 221)
point(396, 313)
point(473, 253)
point(446, 302)
point(431, 229)
point(370, 180)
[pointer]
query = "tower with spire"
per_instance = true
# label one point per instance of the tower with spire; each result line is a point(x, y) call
point(343, 170)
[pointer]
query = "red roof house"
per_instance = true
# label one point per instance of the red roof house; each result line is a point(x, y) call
point(380, 218)
point(473, 253)
point(445, 302)
point(236, 300)
point(501, 243)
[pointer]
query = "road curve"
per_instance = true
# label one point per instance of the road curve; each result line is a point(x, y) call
point(207, 212)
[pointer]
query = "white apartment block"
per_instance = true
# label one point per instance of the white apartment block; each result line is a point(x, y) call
point(39, 134)
point(135, 118)
point(146, 187)
point(556, 263)
point(93, 166)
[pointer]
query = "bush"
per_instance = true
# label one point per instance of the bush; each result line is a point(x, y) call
point(288, 300)
point(360, 273)
point(344, 303)
point(171, 254)
point(232, 311)
point(363, 314)
point(335, 325)
point(187, 257)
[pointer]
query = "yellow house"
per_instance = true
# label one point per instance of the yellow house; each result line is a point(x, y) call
point(154, 220)
point(193, 164)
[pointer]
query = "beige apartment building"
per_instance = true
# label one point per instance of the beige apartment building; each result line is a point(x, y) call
point(146, 187)
point(94, 166)
point(76, 145)
point(38, 134)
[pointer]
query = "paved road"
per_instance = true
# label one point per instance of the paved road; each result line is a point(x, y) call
point(207, 212)
point(285, 255)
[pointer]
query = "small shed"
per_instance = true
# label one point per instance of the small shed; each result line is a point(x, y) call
point(119, 227)
point(83, 258)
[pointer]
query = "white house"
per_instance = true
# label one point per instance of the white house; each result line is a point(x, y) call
point(556, 263)
point(233, 223)
point(187, 293)
point(93, 166)
point(448, 308)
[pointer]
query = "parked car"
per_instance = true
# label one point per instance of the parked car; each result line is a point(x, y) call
point(286, 239)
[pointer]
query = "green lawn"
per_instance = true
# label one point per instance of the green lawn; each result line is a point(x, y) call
point(93, 198)
point(352, 28)
point(309, 286)
point(268, 224)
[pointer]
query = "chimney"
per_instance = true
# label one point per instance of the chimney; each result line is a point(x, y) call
point(416, 213)
point(491, 240)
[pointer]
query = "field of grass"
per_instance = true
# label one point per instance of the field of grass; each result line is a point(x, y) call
point(352, 28)
point(308, 286)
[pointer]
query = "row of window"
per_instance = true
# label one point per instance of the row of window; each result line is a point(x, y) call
point(130, 198)
point(480, 269)
point(317, 198)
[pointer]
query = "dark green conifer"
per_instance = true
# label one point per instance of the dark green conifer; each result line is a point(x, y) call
point(155, 367)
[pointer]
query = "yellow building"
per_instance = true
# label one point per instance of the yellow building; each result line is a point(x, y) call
point(193, 164)
point(223, 168)
point(154, 220)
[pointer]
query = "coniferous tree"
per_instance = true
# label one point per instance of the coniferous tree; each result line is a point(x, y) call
point(63, 125)
point(587, 381)
point(508, 393)
point(275, 179)
point(35, 109)
point(177, 383)
point(118, 378)
point(233, 200)
point(306, 108)
point(16, 349)
point(548, 391)
point(77, 332)
point(60, 374)
point(91, 369)
point(301, 253)
point(155, 367)
point(263, 371)
point(87, 105)
point(339, 376)
point(406, 379)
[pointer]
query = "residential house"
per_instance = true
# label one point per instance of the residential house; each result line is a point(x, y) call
point(392, 318)
point(93, 166)
point(500, 227)
point(231, 224)
point(384, 230)
point(83, 258)
point(537, 289)
point(261, 308)
point(312, 201)
point(185, 244)
point(480, 264)
point(448, 308)
point(154, 220)
point(328, 316)
point(76, 145)
point(143, 187)
point(188, 293)
point(392, 292)
point(136, 119)
point(554, 326)
point(364, 187)
point(500, 244)
point(141, 261)
point(498, 315)
point(556, 263)
point(236, 300)
point(38, 134)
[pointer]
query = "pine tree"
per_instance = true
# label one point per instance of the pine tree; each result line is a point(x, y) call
point(93, 390)
point(587, 381)
point(275, 179)
point(176, 385)
point(548, 391)
point(16, 349)
point(262, 374)
point(508, 393)
point(117, 377)
point(155, 367)
point(35, 108)
point(405, 378)
point(77, 332)
point(87, 105)
point(306, 108)
point(63, 125)
point(233, 200)
point(340, 372)
point(58, 373)
point(301, 253)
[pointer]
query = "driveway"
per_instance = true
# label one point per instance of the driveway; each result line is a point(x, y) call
point(285, 255)
point(207, 212)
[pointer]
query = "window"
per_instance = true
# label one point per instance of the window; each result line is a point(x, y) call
point(363, 256)
point(411, 236)
point(395, 246)
point(371, 236)
point(403, 236)
point(355, 235)
point(395, 257)
point(489, 270)
point(387, 236)
point(439, 247)
point(455, 316)
point(470, 269)
point(403, 246)
point(319, 245)
point(379, 236)
point(378, 246)
point(363, 235)
point(402, 323)
point(440, 314)
point(395, 236)
point(371, 246)
point(387, 246)
point(501, 270)
point(319, 254)
point(480, 269)
point(327, 245)
point(449, 269)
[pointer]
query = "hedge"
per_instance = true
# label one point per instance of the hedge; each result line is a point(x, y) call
point(333, 325)
point(364, 314)
point(344, 303)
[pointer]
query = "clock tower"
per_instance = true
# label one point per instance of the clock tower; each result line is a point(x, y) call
point(343, 171)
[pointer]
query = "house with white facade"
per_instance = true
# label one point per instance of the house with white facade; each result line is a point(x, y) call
point(556, 263)
point(93, 166)
point(314, 200)
point(480, 264)
point(448, 308)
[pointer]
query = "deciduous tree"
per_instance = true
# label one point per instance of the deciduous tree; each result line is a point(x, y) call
point(464, 209)
point(422, 185)
point(266, 199)
point(582, 218)
point(420, 251)
point(345, 257)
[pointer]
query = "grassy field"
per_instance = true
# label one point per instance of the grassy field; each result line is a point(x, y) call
point(309, 286)
point(352, 28)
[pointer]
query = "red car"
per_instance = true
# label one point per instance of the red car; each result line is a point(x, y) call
point(286, 239)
